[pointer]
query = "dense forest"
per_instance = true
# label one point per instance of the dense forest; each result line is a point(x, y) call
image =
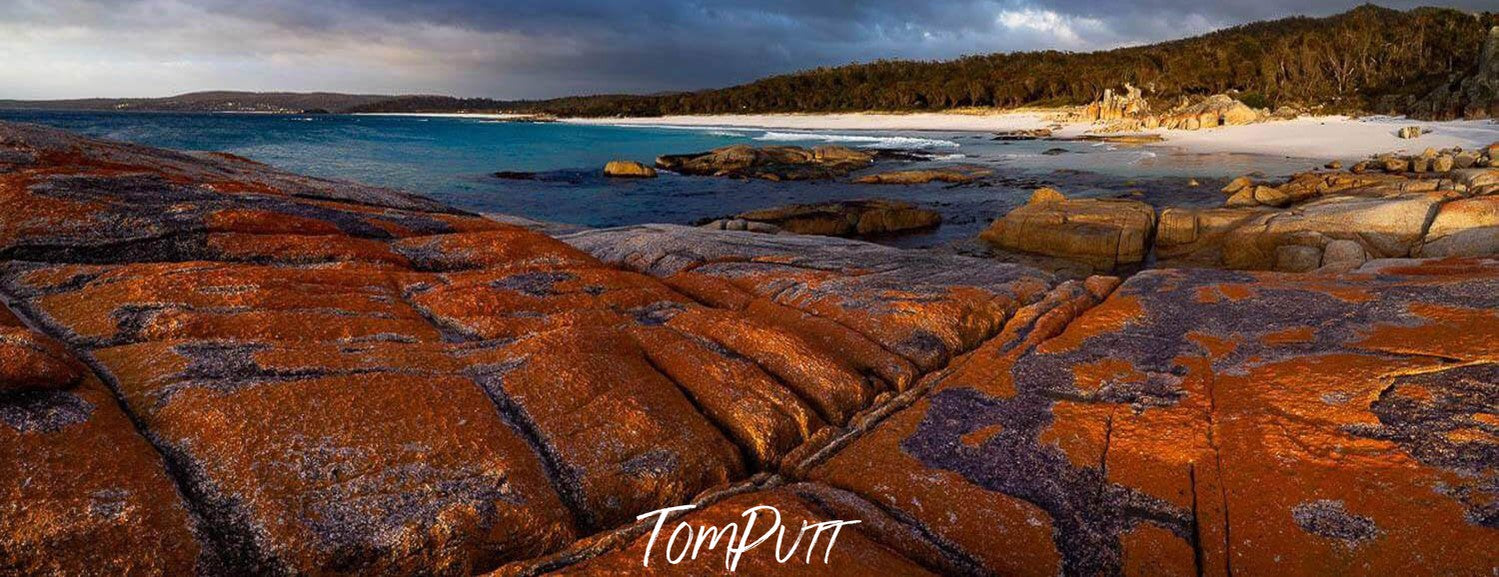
point(1370, 59)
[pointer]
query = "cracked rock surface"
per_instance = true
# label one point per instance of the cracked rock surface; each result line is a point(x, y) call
point(211, 367)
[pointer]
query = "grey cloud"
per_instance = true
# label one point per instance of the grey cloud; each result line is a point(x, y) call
point(537, 48)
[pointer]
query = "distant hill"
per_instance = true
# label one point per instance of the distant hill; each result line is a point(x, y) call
point(432, 103)
point(1370, 59)
point(215, 101)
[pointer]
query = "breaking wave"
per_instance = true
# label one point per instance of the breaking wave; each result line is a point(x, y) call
point(868, 141)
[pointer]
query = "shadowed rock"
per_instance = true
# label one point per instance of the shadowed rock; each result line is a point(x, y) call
point(770, 162)
point(848, 218)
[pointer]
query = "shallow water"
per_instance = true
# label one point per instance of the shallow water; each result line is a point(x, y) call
point(452, 159)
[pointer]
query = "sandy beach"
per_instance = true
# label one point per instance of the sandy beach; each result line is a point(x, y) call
point(1329, 137)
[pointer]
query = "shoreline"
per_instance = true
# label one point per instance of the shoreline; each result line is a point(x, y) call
point(1313, 137)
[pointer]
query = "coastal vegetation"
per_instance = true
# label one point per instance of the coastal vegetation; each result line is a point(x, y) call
point(1370, 59)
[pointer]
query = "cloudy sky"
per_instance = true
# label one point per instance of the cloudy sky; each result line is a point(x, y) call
point(540, 48)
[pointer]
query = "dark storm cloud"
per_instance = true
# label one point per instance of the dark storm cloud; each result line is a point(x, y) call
point(539, 48)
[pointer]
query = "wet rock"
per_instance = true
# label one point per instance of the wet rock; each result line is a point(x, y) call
point(1125, 139)
point(770, 163)
point(848, 218)
point(952, 175)
point(1023, 134)
point(515, 175)
point(1410, 132)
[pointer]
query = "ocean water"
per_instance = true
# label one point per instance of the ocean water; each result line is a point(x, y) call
point(453, 160)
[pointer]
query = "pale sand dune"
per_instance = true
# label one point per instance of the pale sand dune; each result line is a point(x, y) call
point(1328, 137)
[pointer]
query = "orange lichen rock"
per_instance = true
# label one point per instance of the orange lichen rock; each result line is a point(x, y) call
point(857, 549)
point(208, 366)
point(340, 378)
point(1299, 432)
point(925, 308)
point(81, 492)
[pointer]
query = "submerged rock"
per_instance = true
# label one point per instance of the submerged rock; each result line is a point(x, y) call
point(770, 163)
point(951, 175)
point(1024, 134)
point(847, 218)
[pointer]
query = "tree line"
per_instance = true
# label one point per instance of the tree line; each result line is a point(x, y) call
point(1357, 61)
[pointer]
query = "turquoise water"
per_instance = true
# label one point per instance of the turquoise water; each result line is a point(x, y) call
point(453, 159)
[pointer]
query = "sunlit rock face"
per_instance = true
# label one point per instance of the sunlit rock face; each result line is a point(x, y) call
point(208, 366)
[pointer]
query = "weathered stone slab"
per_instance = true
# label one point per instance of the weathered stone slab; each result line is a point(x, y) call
point(924, 307)
point(1197, 419)
point(81, 492)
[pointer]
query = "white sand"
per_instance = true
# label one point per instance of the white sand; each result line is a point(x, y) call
point(1329, 137)
point(450, 115)
point(1334, 137)
point(949, 122)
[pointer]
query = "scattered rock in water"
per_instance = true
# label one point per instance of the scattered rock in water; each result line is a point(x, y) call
point(770, 163)
point(1026, 134)
point(628, 169)
point(951, 175)
point(1055, 151)
point(515, 175)
point(1125, 139)
point(1334, 165)
point(849, 218)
